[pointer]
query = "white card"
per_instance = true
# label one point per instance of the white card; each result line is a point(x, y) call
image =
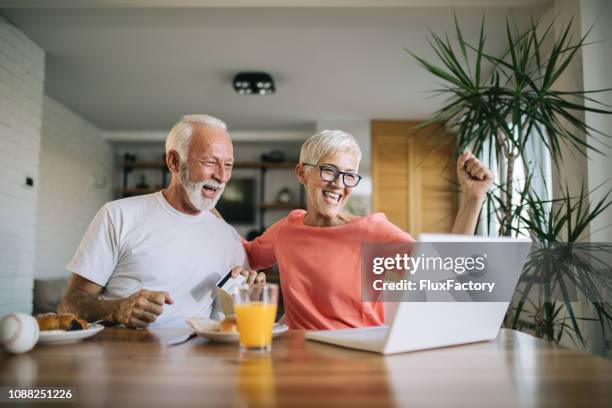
point(228, 284)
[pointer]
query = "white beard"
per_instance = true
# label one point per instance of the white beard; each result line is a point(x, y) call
point(194, 190)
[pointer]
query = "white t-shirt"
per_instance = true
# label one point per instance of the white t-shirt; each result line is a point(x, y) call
point(144, 242)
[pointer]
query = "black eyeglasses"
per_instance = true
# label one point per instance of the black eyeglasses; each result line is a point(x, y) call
point(331, 173)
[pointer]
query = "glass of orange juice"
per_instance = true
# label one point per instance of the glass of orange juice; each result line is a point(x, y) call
point(255, 308)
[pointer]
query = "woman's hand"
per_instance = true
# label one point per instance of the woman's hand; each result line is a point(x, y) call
point(252, 277)
point(474, 177)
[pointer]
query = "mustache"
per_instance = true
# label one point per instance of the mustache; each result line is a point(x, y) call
point(212, 184)
point(185, 176)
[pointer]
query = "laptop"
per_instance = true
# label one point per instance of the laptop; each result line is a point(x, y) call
point(440, 321)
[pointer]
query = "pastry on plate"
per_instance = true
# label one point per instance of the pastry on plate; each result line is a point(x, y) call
point(61, 321)
point(228, 325)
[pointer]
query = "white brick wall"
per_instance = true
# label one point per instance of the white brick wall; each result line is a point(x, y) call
point(22, 67)
point(73, 156)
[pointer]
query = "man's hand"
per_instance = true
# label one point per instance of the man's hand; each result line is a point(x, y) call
point(142, 308)
point(82, 298)
point(252, 277)
point(474, 177)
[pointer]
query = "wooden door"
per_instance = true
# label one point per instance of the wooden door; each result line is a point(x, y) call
point(414, 176)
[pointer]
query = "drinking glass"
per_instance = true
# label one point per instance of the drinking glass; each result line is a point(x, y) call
point(255, 308)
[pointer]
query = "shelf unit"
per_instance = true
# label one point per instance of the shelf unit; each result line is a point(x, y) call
point(128, 166)
point(263, 167)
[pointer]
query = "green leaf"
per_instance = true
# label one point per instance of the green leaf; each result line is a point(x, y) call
point(461, 41)
point(479, 51)
point(570, 311)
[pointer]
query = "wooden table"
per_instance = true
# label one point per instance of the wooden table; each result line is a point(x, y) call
point(122, 368)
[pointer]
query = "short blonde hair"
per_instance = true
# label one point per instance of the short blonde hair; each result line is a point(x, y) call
point(180, 136)
point(326, 143)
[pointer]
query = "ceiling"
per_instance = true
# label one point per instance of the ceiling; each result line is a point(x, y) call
point(272, 3)
point(126, 68)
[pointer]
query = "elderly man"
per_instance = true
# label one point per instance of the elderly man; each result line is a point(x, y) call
point(155, 259)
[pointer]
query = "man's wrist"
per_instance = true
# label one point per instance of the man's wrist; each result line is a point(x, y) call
point(119, 311)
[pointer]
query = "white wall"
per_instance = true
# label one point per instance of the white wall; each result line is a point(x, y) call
point(588, 71)
point(76, 167)
point(572, 170)
point(22, 67)
point(41, 226)
point(596, 63)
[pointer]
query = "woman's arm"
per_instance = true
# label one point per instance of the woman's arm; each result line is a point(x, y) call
point(474, 180)
point(261, 251)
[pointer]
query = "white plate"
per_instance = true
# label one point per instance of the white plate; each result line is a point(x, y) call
point(208, 329)
point(65, 337)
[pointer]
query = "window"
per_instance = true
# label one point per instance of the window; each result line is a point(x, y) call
point(535, 161)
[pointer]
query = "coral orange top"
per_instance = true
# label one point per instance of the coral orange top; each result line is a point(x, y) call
point(320, 269)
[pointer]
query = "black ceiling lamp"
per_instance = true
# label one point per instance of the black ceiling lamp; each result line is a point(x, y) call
point(254, 83)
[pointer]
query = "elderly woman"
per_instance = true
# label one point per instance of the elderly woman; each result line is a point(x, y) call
point(318, 250)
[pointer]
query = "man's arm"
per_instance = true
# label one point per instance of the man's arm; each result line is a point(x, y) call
point(82, 297)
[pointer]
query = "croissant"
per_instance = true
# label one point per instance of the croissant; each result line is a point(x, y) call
point(47, 321)
point(228, 325)
point(62, 321)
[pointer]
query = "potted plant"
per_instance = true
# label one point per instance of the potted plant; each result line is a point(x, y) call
point(497, 115)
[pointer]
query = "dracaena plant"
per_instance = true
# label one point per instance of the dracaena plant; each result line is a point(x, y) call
point(498, 112)
point(562, 269)
point(495, 105)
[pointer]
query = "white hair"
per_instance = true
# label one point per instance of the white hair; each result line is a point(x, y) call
point(180, 135)
point(326, 143)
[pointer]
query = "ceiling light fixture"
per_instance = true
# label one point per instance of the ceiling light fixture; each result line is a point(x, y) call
point(254, 83)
